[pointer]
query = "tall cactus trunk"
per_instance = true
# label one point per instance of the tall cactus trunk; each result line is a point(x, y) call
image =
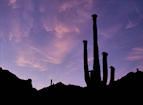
point(105, 68)
point(96, 64)
point(112, 75)
point(86, 71)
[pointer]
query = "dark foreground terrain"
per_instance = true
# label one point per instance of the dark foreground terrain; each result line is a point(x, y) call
point(128, 87)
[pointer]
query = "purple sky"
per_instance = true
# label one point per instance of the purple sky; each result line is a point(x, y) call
point(42, 39)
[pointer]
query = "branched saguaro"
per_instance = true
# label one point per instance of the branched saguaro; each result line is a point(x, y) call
point(93, 77)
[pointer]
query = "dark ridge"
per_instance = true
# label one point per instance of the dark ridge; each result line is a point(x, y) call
point(133, 80)
point(13, 87)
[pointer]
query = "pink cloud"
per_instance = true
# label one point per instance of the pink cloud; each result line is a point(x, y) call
point(65, 6)
point(55, 53)
point(58, 50)
point(47, 28)
point(75, 3)
point(15, 33)
point(12, 2)
point(18, 32)
point(23, 61)
point(63, 33)
point(20, 27)
point(81, 8)
point(62, 44)
point(131, 25)
point(61, 30)
point(135, 54)
point(33, 57)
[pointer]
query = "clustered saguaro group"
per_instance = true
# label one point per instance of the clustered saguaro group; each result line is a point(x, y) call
point(93, 77)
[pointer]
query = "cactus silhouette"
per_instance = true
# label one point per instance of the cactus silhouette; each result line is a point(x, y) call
point(112, 75)
point(105, 68)
point(51, 83)
point(93, 77)
point(86, 74)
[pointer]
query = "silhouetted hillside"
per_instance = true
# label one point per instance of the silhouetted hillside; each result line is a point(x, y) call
point(133, 80)
point(60, 89)
point(12, 86)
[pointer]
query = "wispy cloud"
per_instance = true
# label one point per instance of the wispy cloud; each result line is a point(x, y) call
point(75, 3)
point(135, 54)
point(111, 31)
point(80, 10)
point(33, 58)
point(59, 50)
point(61, 28)
point(12, 2)
point(39, 58)
point(132, 21)
point(131, 25)
point(21, 20)
point(61, 31)
point(23, 61)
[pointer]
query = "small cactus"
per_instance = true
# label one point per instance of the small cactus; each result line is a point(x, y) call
point(112, 75)
point(105, 68)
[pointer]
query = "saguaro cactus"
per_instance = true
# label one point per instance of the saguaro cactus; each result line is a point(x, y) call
point(96, 64)
point(86, 74)
point(93, 79)
point(112, 75)
point(105, 68)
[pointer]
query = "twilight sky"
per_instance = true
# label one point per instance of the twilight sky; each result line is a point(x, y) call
point(42, 39)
